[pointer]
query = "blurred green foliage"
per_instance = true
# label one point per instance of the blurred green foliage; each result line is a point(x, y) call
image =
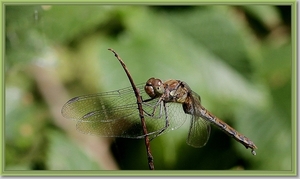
point(237, 58)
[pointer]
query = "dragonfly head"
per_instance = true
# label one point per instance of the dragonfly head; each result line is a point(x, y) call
point(154, 87)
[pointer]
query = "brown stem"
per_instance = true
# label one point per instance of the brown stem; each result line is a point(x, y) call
point(141, 112)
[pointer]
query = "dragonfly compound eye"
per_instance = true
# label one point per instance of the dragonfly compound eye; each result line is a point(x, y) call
point(154, 87)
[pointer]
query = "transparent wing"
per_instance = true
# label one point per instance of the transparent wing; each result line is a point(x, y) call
point(200, 128)
point(175, 115)
point(112, 104)
point(199, 132)
point(115, 114)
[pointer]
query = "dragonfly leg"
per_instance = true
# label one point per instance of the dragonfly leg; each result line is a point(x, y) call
point(166, 124)
point(154, 107)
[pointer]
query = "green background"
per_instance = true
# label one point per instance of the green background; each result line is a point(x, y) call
point(238, 58)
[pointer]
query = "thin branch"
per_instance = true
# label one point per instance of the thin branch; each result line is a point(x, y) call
point(141, 112)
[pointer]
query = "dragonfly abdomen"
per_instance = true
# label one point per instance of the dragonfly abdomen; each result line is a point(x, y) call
point(228, 129)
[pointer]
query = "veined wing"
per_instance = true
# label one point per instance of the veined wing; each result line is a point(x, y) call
point(174, 114)
point(199, 129)
point(110, 114)
point(115, 114)
point(199, 132)
point(112, 104)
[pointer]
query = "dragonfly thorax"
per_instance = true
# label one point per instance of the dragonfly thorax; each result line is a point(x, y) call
point(177, 91)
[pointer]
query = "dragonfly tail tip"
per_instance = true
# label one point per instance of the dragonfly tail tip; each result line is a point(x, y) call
point(253, 152)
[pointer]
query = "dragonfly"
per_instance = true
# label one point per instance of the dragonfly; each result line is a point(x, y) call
point(166, 106)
